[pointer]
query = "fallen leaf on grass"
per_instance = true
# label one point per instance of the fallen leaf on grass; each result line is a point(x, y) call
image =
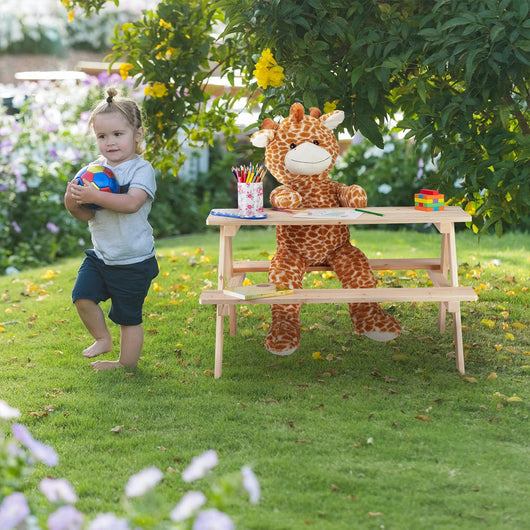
point(334, 488)
point(38, 414)
point(374, 514)
point(422, 417)
point(117, 429)
point(492, 376)
point(469, 379)
point(488, 323)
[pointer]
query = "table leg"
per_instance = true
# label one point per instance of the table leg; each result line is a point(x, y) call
point(219, 330)
point(454, 307)
point(226, 267)
point(444, 266)
point(459, 344)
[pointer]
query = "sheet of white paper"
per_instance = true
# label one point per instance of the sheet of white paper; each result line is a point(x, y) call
point(330, 213)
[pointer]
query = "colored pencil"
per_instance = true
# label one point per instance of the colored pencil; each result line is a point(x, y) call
point(249, 174)
point(366, 211)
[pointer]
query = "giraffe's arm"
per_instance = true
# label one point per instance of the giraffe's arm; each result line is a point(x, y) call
point(351, 196)
point(285, 197)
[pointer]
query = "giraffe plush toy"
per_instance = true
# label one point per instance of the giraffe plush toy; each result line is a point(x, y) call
point(299, 153)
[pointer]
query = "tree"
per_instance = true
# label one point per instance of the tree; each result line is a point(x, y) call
point(454, 72)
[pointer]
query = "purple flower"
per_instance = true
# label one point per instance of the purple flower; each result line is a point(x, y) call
point(65, 518)
point(143, 482)
point(16, 226)
point(58, 490)
point(188, 506)
point(40, 451)
point(53, 228)
point(251, 484)
point(213, 520)
point(200, 465)
point(6, 147)
point(108, 521)
point(13, 510)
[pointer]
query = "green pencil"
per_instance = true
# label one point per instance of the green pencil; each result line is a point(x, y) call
point(366, 211)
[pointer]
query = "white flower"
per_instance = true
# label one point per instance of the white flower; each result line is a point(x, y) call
point(58, 490)
point(13, 510)
point(213, 520)
point(65, 518)
point(188, 506)
point(7, 412)
point(384, 189)
point(200, 465)
point(108, 521)
point(143, 482)
point(251, 484)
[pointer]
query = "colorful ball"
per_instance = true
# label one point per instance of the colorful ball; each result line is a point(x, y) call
point(102, 178)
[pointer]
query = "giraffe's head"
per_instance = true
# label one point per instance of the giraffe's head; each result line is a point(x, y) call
point(301, 145)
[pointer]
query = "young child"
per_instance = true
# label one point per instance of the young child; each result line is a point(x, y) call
point(122, 263)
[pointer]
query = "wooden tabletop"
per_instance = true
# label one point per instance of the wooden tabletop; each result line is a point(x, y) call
point(390, 215)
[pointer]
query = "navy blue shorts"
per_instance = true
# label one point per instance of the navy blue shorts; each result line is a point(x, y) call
point(125, 285)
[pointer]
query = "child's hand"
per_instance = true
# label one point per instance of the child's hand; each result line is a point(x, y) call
point(73, 206)
point(83, 194)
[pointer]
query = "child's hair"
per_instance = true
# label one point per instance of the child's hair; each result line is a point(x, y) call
point(127, 106)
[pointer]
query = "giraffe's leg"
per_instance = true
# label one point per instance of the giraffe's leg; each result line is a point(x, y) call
point(354, 272)
point(287, 269)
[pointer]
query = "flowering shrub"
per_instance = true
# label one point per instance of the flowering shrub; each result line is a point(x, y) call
point(43, 143)
point(46, 25)
point(196, 509)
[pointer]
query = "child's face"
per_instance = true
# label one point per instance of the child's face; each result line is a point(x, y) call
point(116, 137)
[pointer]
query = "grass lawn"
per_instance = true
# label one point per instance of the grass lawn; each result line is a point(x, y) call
point(364, 435)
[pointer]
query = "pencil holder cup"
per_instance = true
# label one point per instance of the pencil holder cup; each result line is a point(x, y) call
point(249, 199)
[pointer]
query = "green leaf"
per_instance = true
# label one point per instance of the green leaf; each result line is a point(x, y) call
point(356, 75)
point(369, 129)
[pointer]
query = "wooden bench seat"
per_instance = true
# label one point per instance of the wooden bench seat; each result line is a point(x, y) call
point(326, 296)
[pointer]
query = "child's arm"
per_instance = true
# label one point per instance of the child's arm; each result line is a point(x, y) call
point(129, 202)
point(75, 209)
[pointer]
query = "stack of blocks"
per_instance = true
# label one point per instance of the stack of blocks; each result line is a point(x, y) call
point(429, 201)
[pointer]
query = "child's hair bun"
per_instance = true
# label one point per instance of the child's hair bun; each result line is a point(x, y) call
point(111, 92)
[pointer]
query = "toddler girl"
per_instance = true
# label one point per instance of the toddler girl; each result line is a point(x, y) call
point(122, 263)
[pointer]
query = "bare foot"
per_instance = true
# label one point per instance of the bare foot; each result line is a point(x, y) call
point(106, 365)
point(99, 347)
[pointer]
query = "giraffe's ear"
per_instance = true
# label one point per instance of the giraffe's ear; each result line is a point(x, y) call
point(332, 119)
point(263, 138)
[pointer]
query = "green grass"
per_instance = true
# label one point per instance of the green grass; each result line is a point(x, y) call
point(381, 435)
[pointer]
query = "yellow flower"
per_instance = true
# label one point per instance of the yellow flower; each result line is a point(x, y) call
point(163, 24)
point(124, 70)
point(317, 355)
point(268, 72)
point(330, 106)
point(156, 90)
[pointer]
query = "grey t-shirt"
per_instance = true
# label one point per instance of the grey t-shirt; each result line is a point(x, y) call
point(125, 238)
